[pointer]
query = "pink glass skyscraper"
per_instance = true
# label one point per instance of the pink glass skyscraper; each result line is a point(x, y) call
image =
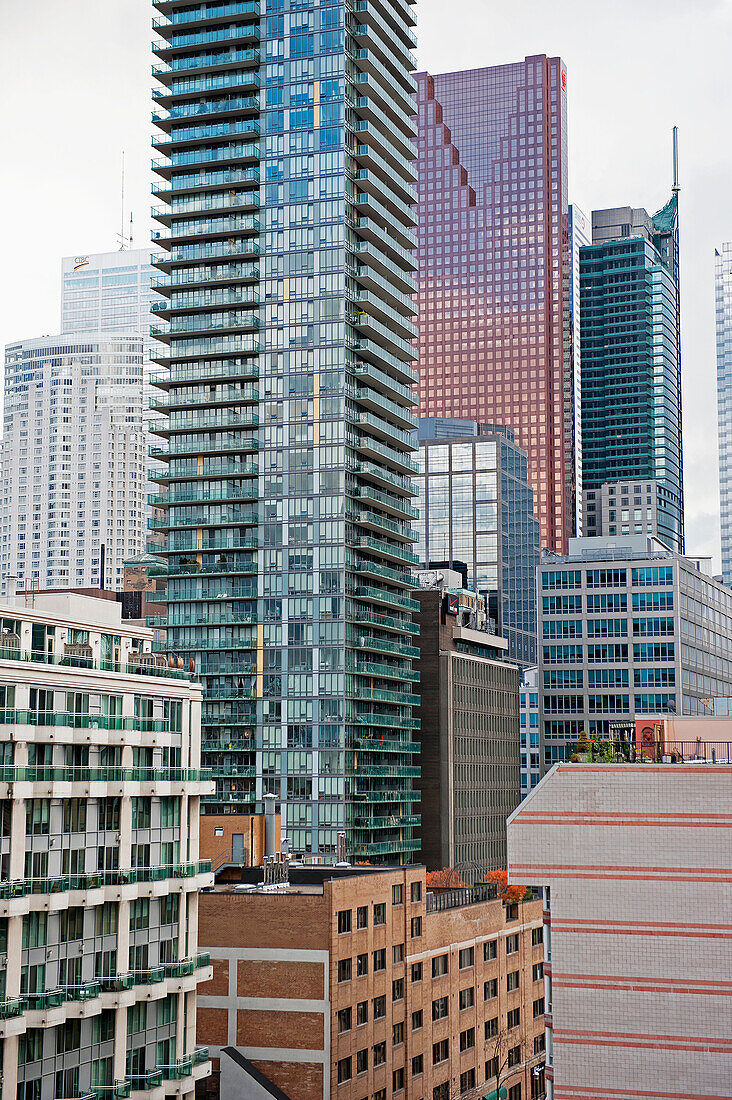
point(494, 322)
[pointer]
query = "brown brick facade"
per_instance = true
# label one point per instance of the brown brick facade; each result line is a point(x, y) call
point(369, 1011)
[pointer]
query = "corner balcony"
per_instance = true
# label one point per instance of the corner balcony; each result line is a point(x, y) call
point(179, 42)
point(395, 506)
point(214, 61)
point(206, 155)
point(182, 422)
point(363, 640)
point(247, 444)
point(185, 205)
point(243, 248)
point(371, 255)
point(176, 17)
point(372, 472)
point(367, 445)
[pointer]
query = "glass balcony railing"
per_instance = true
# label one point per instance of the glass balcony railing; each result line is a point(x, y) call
point(383, 595)
point(374, 668)
point(81, 721)
point(131, 669)
point(387, 549)
point(229, 58)
point(201, 108)
point(205, 83)
point(19, 888)
point(39, 773)
point(209, 11)
point(247, 31)
point(139, 1082)
point(213, 130)
point(387, 500)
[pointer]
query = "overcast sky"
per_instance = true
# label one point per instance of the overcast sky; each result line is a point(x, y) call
point(75, 90)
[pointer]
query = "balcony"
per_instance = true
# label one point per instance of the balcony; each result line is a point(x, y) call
point(203, 84)
point(20, 888)
point(131, 669)
point(213, 62)
point(247, 443)
point(386, 550)
point(378, 523)
point(175, 42)
point(384, 671)
point(369, 642)
point(228, 104)
point(386, 598)
point(211, 13)
point(439, 902)
point(385, 622)
point(371, 447)
point(12, 717)
point(390, 503)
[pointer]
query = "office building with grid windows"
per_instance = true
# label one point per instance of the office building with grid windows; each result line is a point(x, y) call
point(73, 462)
point(627, 629)
point(723, 302)
point(494, 319)
point(631, 373)
point(285, 176)
point(100, 787)
point(477, 508)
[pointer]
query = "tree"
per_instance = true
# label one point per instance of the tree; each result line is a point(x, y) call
point(444, 879)
point(509, 895)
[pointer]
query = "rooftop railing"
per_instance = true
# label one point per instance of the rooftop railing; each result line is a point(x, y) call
point(458, 897)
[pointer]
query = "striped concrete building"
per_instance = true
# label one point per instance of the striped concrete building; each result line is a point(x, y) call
point(636, 865)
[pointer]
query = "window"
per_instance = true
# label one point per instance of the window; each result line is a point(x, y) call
point(397, 894)
point(362, 916)
point(416, 891)
point(344, 921)
point(380, 959)
point(362, 1060)
point(362, 1013)
point(537, 936)
point(397, 1034)
point(538, 1007)
point(379, 1007)
point(467, 1038)
point(512, 980)
point(513, 1019)
point(397, 989)
point(68, 1036)
point(416, 928)
point(439, 966)
point(514, 1056)
point(539, 1043)
point(467, 1080)
point(466, 957)
point(417, 1018)
point(512, 911)
point(362, 965)
point(344, 970)
point(344, 1070)
point(440, 1051)
point(441, 1092)
point(440, 1008)
point(380, 913)
point(417, 972)
point(397, 953)
point(379, 1054)
point(538, 971)
point(344, 1020)
point(514, 1093)
point(380, 1094)
point(491, 1068)
point(417, 1065)
point(397, 1079)
point(490, 989)
point(491, 1028)
point(512, 944)
point(467, 997)
point(490, 950)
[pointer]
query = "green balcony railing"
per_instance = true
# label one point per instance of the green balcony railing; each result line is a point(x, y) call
point(18, 888)
point(177, 1071)
point(13, 1006)
point(139, 1082)
point(64, 661)
point(38, 773)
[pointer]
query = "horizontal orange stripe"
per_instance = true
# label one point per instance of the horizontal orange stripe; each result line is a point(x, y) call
point(675, 821)
point(723, 768)
point(647, 1036)
point(642, 978)
point(645, 1046)
point(709, 935)
point(580, 1093)
point(655, 924)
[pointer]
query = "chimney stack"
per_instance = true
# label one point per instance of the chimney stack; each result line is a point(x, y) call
point(269, 825)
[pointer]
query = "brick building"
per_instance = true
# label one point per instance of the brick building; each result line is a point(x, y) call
point(356, 982)
point(635, 859)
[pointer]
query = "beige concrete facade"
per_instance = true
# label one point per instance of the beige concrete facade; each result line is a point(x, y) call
point(637, 869)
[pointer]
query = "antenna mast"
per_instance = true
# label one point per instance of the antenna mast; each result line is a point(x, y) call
point(676, 188)
point(123, 241)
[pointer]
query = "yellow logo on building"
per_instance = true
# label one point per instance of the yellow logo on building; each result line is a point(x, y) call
point(80, 261)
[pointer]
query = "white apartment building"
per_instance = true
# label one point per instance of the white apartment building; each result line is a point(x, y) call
point(100, 788)
point(73, 461)
point(635, 864)
point(114, 292)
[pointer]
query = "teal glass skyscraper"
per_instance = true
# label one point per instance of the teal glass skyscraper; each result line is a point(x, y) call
point(287, 187)
point(632, 474)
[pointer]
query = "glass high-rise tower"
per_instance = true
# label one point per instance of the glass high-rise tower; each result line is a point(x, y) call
point(286, 186)
point(723, 303)
point(494, 321)
point(631, 374)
